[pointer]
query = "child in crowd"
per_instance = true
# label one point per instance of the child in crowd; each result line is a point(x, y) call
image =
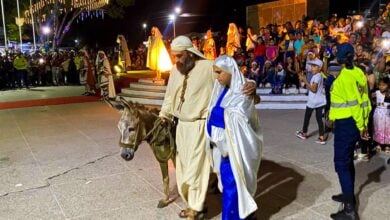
point(382, 116)
point(272, 52)
point(268, 74)
point(254, 72)
point(233, 129)
point(291, 75)
point(316, 101)
point(278, 80)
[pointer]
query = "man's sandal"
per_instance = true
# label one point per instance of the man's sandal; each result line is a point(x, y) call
point(194, 215)
point(184, 213)
point(190, 214)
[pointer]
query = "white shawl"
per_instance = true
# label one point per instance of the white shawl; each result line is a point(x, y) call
point(243, 135)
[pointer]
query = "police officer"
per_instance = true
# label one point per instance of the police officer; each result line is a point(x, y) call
point(20, 64)
point(347, 110)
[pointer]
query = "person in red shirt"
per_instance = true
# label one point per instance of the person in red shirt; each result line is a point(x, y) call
point(259, 51)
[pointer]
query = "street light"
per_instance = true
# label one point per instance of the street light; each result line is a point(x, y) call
point(144, 26)
point(177, 10)
point(19, 22)
point(172, 17)
point(4, 30)
point(46, 30)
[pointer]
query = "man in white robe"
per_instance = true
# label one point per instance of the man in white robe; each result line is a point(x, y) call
point(187, 97)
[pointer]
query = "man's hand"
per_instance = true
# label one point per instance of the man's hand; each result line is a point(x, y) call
point(249, 88)
point(163, 120)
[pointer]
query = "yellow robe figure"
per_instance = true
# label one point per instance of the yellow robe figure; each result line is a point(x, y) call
point(192, 166)
point(158, 57)
point(209, 47)
point(233, 40)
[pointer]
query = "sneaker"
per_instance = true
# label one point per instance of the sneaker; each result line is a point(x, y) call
point(320, 141)
point(362, 157)
point(301, 135)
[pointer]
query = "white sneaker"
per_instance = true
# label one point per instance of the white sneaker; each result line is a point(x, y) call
point(362, 157)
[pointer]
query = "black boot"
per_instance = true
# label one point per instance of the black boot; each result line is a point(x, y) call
point(348, 213)
point(338, 198)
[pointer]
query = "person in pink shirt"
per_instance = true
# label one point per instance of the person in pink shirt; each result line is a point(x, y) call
point(272, 52)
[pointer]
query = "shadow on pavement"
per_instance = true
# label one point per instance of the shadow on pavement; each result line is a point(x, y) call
point(277, 188)
point(366, 175)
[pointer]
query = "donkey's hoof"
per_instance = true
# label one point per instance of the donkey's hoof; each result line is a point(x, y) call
point(163, 203)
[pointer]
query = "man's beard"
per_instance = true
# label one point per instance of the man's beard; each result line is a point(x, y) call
point(186, 67)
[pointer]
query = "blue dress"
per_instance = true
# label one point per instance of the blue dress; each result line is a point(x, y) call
point(229, 194)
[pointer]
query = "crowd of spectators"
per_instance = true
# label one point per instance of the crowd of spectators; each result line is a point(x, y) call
point(279, 52)
point(56, 68)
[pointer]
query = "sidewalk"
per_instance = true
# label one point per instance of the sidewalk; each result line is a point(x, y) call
point(63, 162)
point(42, 96)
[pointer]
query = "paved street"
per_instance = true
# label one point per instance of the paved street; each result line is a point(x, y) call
point(62, 162)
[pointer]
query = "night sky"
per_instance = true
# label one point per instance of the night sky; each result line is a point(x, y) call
point(204, 14)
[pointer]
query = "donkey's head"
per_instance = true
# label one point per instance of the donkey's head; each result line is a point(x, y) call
point(133, 125)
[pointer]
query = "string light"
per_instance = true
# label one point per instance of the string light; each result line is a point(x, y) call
point(85, 5)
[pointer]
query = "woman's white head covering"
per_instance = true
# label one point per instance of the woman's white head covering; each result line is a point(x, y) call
point(98, 59)
point(182, 43)
point(101, 52)
point(84, 51)
point(229, 65)
point(234, 96)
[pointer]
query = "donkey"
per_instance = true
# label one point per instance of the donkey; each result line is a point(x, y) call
point(138, 124)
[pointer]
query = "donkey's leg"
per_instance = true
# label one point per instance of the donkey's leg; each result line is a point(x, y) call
point(164, 171)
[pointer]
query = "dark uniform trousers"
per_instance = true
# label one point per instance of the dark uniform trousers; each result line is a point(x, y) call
point(346, 134)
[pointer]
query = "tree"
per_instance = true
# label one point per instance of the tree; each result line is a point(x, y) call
point(10, 13)
point(60, 14)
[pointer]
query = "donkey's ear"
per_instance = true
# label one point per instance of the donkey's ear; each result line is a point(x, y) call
point(115, 104)
point(126, 103)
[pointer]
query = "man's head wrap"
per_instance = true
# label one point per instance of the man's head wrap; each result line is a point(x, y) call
point(183, 43)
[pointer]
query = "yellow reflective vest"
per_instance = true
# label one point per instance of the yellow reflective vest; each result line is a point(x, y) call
point(20, 63)
point(349, 96)
point(77, 62)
